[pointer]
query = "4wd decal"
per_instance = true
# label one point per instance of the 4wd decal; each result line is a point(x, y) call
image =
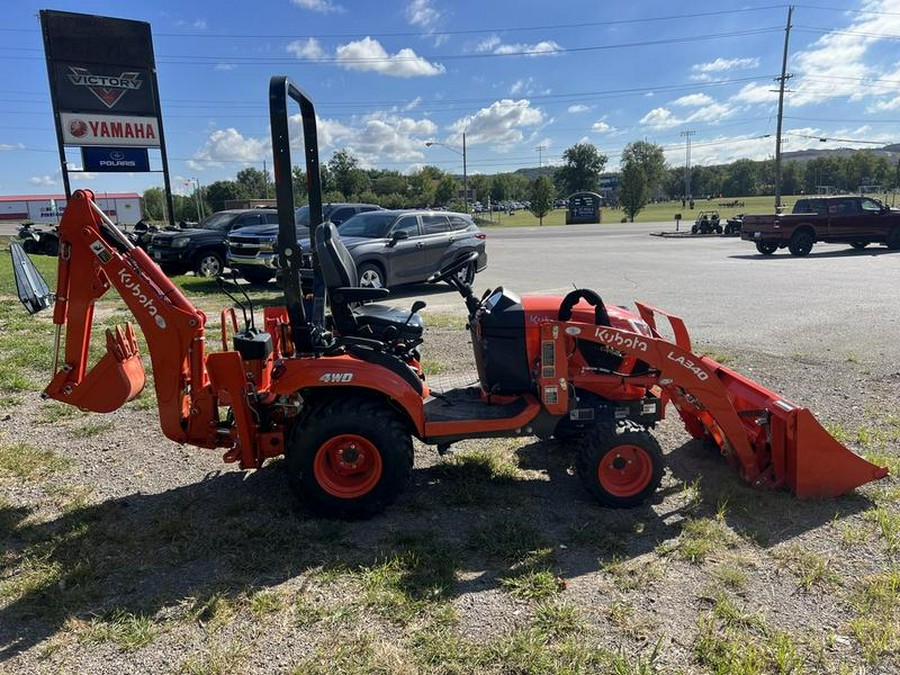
point(701, 374)
point(108, 88)
point(331, 378)
point(616, 340)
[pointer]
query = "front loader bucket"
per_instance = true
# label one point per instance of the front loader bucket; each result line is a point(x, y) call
point(113, 381)
point(822, 467)
point(772, 442)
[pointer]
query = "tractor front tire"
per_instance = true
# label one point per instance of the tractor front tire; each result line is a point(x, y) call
point(350, 458)
point(620, 466)
point(801, 243)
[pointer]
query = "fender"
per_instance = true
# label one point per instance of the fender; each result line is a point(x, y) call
point(347, 371)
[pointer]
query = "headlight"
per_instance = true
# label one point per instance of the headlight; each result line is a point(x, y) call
point(268, 245)
point(180, 242)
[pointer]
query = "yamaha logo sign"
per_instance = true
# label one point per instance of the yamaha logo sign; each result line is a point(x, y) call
point(116, 130)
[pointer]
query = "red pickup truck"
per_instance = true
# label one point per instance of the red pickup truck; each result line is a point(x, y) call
point(858, 221)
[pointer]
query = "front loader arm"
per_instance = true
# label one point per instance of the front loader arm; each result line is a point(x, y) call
point(91, 260)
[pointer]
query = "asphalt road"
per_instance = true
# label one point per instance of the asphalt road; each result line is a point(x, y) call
point(836, 303)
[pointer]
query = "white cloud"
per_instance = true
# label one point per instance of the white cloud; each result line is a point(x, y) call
point(602, 127)
point(885, 105)
point(838, 63)
point(578, 108)
point(693, 100)
point(224, 66)
point(323, 6)
point(229, 145)
point(368, 55)
point(12, 146)
point(421, 13)
point(754, 92)
point(706, 71)
point(43, 181)
point(660, 118)
point(494, 45)
point(413, 104)
point(307, 49)
point(499, 124)
point(391, 137)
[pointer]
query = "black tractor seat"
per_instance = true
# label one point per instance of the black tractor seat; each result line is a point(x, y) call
point(376, 322)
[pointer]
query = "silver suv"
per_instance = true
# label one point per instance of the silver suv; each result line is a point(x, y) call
point(251, 250)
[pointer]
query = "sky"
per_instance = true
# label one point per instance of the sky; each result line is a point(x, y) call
point(522, 79)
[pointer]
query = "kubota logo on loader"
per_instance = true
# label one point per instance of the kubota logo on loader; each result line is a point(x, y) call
point(144, 300)
point(701, 374)
point(616, 340)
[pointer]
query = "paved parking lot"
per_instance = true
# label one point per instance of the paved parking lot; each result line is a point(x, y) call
point(836, 303)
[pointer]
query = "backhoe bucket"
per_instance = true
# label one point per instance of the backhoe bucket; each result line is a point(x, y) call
point(113, 381)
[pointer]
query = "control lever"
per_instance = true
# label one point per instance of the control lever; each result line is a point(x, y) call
point(416, 306)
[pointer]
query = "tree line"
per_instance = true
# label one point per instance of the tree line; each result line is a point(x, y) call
point(643, 175)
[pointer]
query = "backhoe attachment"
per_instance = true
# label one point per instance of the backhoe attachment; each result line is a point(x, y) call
point(772, 442)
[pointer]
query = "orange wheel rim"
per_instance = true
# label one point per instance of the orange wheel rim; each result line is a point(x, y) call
point(625, 470)
point(347, 466)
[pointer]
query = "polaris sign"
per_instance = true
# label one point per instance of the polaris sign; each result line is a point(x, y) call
point(115, 159)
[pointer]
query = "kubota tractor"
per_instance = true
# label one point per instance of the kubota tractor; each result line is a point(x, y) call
point(334, 383)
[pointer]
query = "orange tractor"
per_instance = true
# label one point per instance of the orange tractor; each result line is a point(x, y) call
point(334, 382)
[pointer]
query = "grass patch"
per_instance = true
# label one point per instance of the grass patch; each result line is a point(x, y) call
point(434, 367)
point(456, 322)
point(556, 620)
point(533, 584)
point(631, 575)
point(511, 540)
point(54, 412)
point(477, 477)
point(811, 568)
point(887, 523)
point(91, 429)
point(263, 603)
point(127, 631)
point(219, 659)
point(731, 575)
point(702, 537)
point(27, 463)
point(876, 625)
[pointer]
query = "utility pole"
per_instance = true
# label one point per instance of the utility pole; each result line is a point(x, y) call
point(687, 162)
point(540, 149)
point(465, 176)
point(781, 82)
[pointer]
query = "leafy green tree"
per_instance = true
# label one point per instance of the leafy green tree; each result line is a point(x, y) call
point(348, 177)
point(423, 184)
point(651, 158)
point(445, 190)
point(481, 186)
point(154, 204)
point(582, 168)
point(542, 193)
point(256, 183)
point(389, 182)
point(634, 192)
point(298, 182)
point(224, 190)
point(741, 178)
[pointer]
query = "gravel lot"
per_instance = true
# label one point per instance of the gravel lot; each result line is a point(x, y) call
point(123, 552)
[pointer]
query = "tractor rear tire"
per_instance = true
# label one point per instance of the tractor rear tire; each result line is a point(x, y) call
point(766, 248)
point(620, 466)
point(801, 243)
point(349, 458)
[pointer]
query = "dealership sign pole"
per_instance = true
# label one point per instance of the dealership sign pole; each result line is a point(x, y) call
point(104, 93)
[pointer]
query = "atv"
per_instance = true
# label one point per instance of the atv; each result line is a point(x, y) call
point(707, 223)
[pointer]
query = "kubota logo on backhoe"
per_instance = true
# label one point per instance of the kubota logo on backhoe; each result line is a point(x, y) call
point(616, 340)
point(143, 299)
point(701, 374)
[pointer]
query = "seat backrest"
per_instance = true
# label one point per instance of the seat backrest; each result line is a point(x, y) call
point(338, 268)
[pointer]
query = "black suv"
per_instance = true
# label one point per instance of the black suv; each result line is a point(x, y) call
point(202, 248)
point(251, 250)
point(391, 248)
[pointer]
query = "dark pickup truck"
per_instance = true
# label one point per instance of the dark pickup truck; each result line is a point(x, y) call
point(858, 221)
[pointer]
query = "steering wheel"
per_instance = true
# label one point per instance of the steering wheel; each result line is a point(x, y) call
point(601, 316)
point(447, 273)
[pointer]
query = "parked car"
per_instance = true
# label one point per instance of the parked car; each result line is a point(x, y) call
point(392, 248)
point(202, 248)
point(251, 250)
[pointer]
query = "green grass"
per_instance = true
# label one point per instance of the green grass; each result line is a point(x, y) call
point(877, 624)
point(127, 631)
point(92, 428)
point(810, 568)
point(27, 463)
point(533, 584)
point(702, 537)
